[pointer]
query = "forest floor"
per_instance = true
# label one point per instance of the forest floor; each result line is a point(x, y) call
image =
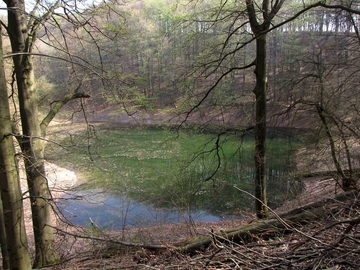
point(331, 241)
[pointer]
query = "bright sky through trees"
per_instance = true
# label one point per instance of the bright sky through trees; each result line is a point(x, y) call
point(80, 5)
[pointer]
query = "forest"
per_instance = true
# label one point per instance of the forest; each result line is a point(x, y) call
point(261, 97)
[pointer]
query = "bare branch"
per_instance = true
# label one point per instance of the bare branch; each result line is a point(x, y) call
point(59, 104)
point(207, 93)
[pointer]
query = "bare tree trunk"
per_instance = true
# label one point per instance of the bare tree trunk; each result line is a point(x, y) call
point(260, 117)
point(3, 240)
point(12, 203)
point(268, 10)
point(22, 32)
point(260, 128)
point(348, 182)
point(32, 144)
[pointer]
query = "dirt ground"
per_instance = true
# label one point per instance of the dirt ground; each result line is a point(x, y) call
point(329, 242)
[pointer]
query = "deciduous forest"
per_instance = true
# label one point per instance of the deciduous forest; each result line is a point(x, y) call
point(244, 111)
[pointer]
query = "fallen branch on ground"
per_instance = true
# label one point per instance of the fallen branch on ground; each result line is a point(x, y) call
point(265, 226)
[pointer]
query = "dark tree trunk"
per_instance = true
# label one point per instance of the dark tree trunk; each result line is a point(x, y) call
point(268, 9)
point(260, 128)
point(16, 250)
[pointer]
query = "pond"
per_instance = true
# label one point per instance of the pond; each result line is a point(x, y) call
point(117, 212)
point(142, 177)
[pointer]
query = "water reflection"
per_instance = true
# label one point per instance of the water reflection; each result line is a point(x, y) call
point(115, 211)
point(153, 168)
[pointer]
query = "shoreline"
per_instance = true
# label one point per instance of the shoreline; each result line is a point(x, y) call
point(60, 180)
point(59, 177)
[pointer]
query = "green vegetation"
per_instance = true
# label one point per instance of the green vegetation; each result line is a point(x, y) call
point(172, 169)
point(257, 65)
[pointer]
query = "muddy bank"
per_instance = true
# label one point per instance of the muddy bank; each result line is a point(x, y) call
point(58, 178)
point(60, 181)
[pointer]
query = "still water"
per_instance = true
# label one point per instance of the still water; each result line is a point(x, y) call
point(136, 178)
point(116, 212)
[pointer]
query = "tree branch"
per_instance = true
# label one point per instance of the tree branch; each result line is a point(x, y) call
point(207, 93)
point(252, 15)
point(59, 104)
point(348, 9)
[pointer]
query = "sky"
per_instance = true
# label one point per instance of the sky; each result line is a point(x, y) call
point(29, 4)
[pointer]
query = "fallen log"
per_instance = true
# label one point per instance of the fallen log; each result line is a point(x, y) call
point(244, 233)
point(288, 222)
point(340, 197)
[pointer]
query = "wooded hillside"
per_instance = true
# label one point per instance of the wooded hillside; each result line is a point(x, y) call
point(230, 68)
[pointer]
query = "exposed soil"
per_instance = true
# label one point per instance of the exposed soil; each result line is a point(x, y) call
point(331, 242)
point(60, 180)
point(316, 188)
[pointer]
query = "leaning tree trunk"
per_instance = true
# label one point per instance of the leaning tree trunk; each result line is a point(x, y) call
point(31, 143)
point(12, 203)
point(348, 182)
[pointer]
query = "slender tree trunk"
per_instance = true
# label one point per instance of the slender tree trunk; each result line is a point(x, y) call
point(260, 110)
point(268, 9)
point(32, 144)
point(3, 240)
point(260, 127)
point(348, 182)
point(12, 203)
